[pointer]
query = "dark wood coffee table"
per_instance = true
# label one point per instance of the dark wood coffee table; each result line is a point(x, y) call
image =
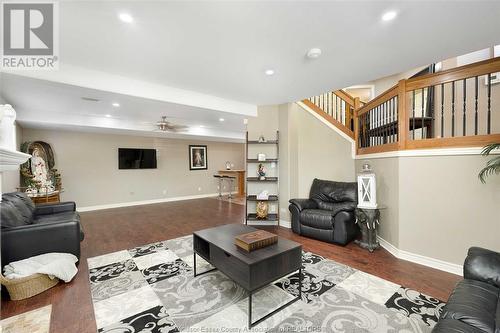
point(251, 270)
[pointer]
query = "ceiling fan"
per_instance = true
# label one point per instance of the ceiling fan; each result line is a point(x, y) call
point(166, 126)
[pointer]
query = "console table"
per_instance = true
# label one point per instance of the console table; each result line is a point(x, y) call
point(251, 270)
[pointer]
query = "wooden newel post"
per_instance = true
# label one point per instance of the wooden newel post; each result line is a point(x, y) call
point(402, 116)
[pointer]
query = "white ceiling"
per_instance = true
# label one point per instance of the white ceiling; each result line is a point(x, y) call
point(45, 104)
point(197, 59)
point(222, 48)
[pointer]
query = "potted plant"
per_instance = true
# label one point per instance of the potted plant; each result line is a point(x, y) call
point(493, 165)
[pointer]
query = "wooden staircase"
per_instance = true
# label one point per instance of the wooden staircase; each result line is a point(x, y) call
point(457, 107)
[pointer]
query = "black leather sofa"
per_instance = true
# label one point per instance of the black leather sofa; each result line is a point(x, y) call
point(474, 304)
point(28, 230)
point(328, 214)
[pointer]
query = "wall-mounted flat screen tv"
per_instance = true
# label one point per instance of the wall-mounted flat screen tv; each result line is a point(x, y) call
point(131, 158)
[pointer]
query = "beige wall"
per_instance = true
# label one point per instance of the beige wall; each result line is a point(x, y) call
point(436, 206)
point(88, 163)
point(387, 173)
point(444, 208)
point(322, 152)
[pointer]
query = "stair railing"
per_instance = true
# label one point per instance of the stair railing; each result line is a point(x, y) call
point(459, 107)
point(337, 107)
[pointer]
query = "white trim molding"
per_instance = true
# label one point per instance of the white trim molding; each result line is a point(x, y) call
point(426, 152)
point(11, 159)
point(146, 202)
point(422, 260)
point(285, 224)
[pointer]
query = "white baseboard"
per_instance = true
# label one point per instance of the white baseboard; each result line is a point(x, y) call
point(422, 260)
point(285, 224)
point(147, 202)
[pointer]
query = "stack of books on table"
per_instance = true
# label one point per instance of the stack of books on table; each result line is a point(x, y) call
point(255, 240)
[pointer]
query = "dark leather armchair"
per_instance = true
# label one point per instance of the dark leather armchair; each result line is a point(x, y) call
point(474, 304)
point(328, 214)
point(29, 230)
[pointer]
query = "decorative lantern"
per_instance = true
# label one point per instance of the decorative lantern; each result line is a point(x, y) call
point(367, 188)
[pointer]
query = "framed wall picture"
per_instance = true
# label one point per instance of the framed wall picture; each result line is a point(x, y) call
point(198, 158)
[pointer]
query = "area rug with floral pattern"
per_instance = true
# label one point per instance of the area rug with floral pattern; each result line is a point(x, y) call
point(151, 289)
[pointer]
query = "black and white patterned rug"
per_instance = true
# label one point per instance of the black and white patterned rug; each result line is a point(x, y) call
point(151, 289)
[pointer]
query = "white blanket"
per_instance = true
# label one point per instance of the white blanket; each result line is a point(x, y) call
point(60, 265)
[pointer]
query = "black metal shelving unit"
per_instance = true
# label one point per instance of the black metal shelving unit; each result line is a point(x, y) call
point(251, 217)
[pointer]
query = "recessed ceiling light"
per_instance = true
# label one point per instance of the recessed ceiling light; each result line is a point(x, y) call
point(269, 72)
point(108, 116)
point(221, 119)
point(116, 105)
point(314, 53)
point(126, 17)
point(390, 15)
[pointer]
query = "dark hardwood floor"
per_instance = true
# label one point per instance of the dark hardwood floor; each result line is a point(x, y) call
point(123, 228)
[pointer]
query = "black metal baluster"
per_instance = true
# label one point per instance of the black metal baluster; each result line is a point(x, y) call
point(488, 127)
point(422, 115)
point(367, 128)
point(464, 115)
point(392, 119)
point(361, 131)
point(452, 108)
point(387, 117)
point(476, 120)
point(396, 118)
point(442, 110)
point(384, 122)
point(380, 124)
point(413, 116)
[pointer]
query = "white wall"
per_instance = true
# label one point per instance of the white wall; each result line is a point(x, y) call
point(10, 179)
point(88, 163)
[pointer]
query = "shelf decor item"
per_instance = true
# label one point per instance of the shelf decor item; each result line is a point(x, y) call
point(228, 165)
point(264, 195)
point(198, 159)
point(262, 138)
point(255, 240)
point(367, 188)
point(261, 171)
point(262, 209)
point(261, 157)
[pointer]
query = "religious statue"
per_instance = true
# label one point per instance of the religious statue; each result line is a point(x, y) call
point(39, 169)
point(38, 173)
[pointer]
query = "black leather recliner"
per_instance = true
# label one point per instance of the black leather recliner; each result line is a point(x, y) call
point(328, 214)
point(474, 304)
point(29, 230)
